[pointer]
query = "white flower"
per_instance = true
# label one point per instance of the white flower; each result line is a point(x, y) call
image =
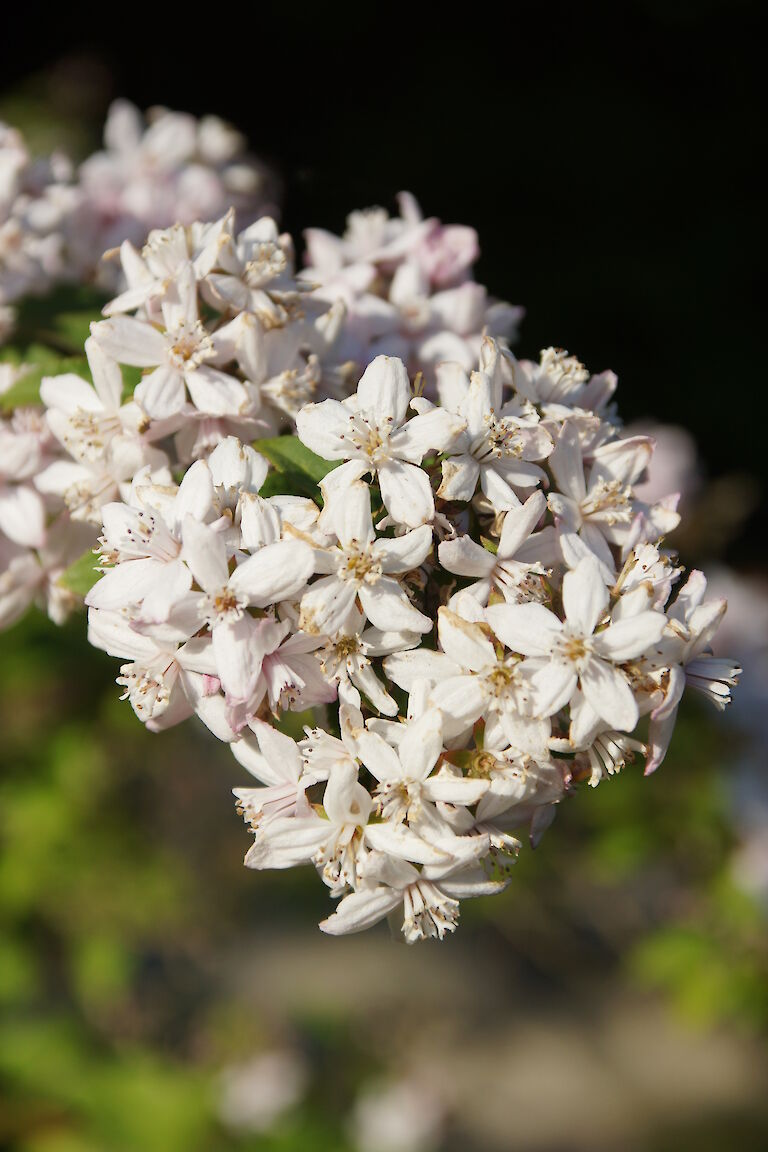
point(429, 899)
point(516, 569)
point(156, 681)
point(408, 788)
point(470, 679)
point(240, 641)
point(693, 622)
point(371, 433)
point(594, 513)
point(143, 543)
point(86, 418)
point(565, 653)
point(500, 440)
point(363, 567)
point(183, 356)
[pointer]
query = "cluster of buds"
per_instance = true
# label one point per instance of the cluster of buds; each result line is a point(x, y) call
point(450, 574)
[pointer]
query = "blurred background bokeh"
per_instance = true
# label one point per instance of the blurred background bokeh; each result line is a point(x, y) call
point(157, 997)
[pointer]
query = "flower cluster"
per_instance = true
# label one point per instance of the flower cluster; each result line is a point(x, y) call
point(221, 340)
point(475, 605)
point(57, 222)
point(408, 288)
point(37, 200)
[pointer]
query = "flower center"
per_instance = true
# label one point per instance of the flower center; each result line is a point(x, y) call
point(190, 346)
point(267, 261)
point(399, 800)
point(360, 567)
point(222, 605)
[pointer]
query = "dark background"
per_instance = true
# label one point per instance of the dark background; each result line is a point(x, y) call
point(606, 154)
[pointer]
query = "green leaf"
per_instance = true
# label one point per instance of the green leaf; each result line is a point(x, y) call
point(62, 318)
point(290, 483)
point(288, 454)
point(81, 575)
point(39, 361)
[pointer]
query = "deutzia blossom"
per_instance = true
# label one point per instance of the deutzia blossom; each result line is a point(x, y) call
point(365, 568)
point(565, 653)
point(501, 438)
point(370, 432)
point(449, 570)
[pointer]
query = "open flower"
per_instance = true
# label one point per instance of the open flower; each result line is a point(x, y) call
point(370, 432)
point(364, 568)
point(564, 654)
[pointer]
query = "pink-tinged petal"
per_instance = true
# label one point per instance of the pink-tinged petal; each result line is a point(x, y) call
point(205, 552)
point(552, 686)
point(460, 476)
point(434, 430)
point(107, 377)
point(659, 737)
point(384, 391)
point(403, 553)
point(380, 758)
point(575, 549)
point(276, 572)
point(585, 597)
point(464, 557)
point(610, 695)
point(464, 643)
point(324, 428)
point(387, 606)
point(197, 655)
point(518, 525)
point(351, 516)
point(406, 668)
point(326, 606)
point(450, 789)
point(361, 910)
point(69, 394)
point(168, 590)
point(421, 745)
point(497, 490)
point(287, 841)
point(126, 584)
point(212, 710)
point(112, 632)
point(406, 493)
point(530, 629)
point(403, 843)
point(566, 463)
point(452, 384)
point(280, 752)
point(622, 460)
point(462, 700)
point(22, 516)
point(631, 637)
point(161, 394)
point(130, 341)
point(216, 393)
point(239, 652)
point(195, 495)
